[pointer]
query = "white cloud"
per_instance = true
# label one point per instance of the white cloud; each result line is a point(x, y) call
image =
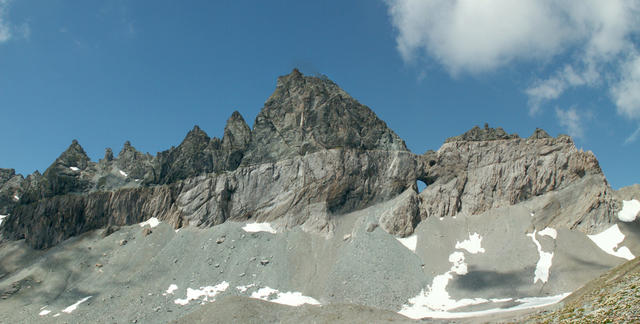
point(590, 41)
point(572, 120)
point(626, 92)
point(476, 36)
point(553, 87)
point(8, 30)
point(5, 30)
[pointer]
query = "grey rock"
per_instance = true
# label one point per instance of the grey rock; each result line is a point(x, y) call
point(473, 176)
point(403, 216)
point(191, 158)
point(539, 133)
point(482, 134)
point(235, 141)
point(108, 154)
point(10, 190)
point(314, 154)
point(308, 114)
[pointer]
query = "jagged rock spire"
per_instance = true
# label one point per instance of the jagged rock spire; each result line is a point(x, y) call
point(74, 156)
point(307, 114)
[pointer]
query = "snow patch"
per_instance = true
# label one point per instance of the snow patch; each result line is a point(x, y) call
point(458, 267)
point(74, 169)
point(152, 222)
point(16, 198)
point(44, 312)
point(526, 303)
point(284, 298)
point(124, 174)
point(73, 307)
point(609, 240)
point(500, 300)
point(206, 292)
point(259, 227)
point(545, 260)
point(56, 315)
point(411, 242)
point(435, 297)
point(472, 245)
point(245, 288)
point(263, 293)
point(630, 209)
point(294, 299)
point(2, 217)
point(172, 288)
point(550, 232)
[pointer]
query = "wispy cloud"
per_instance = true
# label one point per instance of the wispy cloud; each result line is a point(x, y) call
point(626, 91)
point(542, 91)
point(8, 30)
point(573, 121)
point(633, 137)
point(5, 30)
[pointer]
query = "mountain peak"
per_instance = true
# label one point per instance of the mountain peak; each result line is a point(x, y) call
point(306, 114)
point(73, 156)
point(487, 133)
point(539, 133)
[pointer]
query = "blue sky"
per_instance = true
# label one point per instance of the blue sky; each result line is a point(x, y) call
point(104, 72)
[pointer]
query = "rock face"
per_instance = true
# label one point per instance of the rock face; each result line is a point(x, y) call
point(477, 134)
point(485, 169)
point(308, 114)
point(313, 155)
point(10, 190)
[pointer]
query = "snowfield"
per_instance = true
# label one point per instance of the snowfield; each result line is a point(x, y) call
point(545, 260)
point(630, 209)
point(609, 240)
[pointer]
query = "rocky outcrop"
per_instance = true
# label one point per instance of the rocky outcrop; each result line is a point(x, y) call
point(10, 190)
point(198, 154)
point(304, 191)
point(195, 155)
point(487, 133)
point(313, 155)
point(309, 114)
point(485, 169)
point(235, 141)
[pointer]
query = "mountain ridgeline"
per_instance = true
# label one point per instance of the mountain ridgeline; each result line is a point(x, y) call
point(313, 154)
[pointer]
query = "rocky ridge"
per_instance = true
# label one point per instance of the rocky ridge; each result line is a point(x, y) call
point(313, 154)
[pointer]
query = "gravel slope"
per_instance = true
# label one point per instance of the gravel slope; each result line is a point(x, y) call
point(612, 298)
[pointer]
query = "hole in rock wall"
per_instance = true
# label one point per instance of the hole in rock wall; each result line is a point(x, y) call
point(421, 185)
